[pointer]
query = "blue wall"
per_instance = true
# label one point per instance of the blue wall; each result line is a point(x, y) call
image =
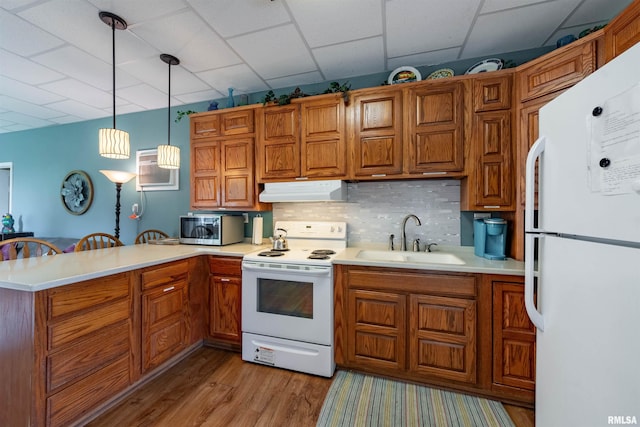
point(42, 158)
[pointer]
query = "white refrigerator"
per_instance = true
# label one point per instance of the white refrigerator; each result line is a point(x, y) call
point(582, 250)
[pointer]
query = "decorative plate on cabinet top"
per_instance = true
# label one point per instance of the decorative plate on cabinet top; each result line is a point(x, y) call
point(491, 64)
point(404, 75)
point(440, 74)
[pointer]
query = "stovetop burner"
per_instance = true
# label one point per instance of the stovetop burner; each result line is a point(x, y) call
point(318, 256)
point(323, 252)
point(271, 253)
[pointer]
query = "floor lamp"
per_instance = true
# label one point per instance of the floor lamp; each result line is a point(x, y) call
point(119, 178)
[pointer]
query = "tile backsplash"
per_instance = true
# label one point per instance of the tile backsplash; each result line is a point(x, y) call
point(376, 209)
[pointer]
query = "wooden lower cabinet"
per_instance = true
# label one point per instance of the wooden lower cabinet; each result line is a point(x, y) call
point(165, 313)
point(514, 339)
point(225, 296)
point(466, 332)
point(407, 323)
point(88, 336)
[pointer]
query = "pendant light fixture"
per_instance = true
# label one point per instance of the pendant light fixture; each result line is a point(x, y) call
point(169, 155)
point(113, 143)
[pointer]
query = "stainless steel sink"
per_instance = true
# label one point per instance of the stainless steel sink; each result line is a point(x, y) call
point(410, 257)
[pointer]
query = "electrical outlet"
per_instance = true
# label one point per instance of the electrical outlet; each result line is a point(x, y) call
point(134, 208)
point(246, 218)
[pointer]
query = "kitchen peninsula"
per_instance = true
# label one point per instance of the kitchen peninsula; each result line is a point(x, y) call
point(81, 330)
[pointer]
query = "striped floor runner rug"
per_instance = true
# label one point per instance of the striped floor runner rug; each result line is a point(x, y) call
point(362, 400)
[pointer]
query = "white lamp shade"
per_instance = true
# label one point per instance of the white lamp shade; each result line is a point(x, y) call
point(168, 157)
point(114, 143)
point(118, 176)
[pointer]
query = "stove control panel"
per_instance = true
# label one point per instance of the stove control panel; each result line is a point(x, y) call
point(314, 229)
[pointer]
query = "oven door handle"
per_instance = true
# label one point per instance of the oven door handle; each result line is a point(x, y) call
point(307, 270)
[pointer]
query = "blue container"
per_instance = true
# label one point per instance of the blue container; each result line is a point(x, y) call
point(479, 237)
point(490, 238)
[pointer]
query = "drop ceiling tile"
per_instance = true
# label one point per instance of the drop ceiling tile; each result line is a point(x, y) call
point(427, 58)
point(351, 59)
point(28, 93)
point(239, 77)
point(300, 79)
point(230, 18)
point(78, 64)
point(184, 25)
point(275, 52)
point(26, 119)
point(207, 51)
point(412, 27)
point(24, 70)
point(80, 92)
point(28, 108)
point(154, 72)
point(66, 119)
point(78, 109)
point(499, 5)
point(520, 29)
point(135, 12)
point(321, 24)
point(594, 11)
point(190, 98)
point(144, 95)
point(23, 38)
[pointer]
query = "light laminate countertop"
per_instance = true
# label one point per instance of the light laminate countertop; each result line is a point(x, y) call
point(472, 263)
point(38, 273)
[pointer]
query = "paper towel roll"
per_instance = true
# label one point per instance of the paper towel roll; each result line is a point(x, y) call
point(256, 239)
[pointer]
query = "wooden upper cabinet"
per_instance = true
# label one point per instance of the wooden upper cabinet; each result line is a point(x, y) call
point(435, 140)
point(218, 123)
point(490, 182)
point(323, 145)
point(375, 133)
point(492, 93)
point(278, 146)
point(237, 172)
point(205, 174)
point(623, 31)
point(302, 140)
point(561, 69)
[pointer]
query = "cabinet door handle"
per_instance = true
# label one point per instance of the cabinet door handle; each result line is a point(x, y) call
point(170, 288)
point(224, 279)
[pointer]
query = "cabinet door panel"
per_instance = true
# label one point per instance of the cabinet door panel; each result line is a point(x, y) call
point(492, 93)
point(442, 334)
point(205, 174)
point(205, 126)
point(237, 170)
point(494, 168)
point(237, 122)
point(375, 138)
point(225, 295)
point(514, 338)
point(436, 129)
point(376, 329)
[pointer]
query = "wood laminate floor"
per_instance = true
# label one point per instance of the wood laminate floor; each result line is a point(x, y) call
point(216, 388)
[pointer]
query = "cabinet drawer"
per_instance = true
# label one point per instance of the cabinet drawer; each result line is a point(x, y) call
point(85, 324)
point(225, 266)
point(74, 362)
point(81, 296)
point(71, 403)
point(165, 274)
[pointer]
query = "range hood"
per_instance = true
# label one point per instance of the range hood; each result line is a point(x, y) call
point(305, 191)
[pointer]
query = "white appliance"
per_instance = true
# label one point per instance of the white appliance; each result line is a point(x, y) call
point(588, 251)
point(287, 299)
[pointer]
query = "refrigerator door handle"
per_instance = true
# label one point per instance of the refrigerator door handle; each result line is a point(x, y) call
point(529, 281)
point(530, 182)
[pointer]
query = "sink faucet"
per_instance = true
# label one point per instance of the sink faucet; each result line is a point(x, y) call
point(404, 229)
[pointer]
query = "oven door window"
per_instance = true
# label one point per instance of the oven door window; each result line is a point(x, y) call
point(285, 297)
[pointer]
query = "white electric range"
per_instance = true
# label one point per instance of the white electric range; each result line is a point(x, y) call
point(287, 299)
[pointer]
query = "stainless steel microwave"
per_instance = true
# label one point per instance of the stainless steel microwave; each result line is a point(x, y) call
point(211, 229)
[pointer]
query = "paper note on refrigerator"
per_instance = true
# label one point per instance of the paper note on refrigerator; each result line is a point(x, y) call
point(614, 157)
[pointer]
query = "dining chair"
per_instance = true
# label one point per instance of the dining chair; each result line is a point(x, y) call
point(150, 234)
point(97, 241)
point(29, 247)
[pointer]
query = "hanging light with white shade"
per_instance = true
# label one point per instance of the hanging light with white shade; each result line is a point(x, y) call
point(169, 155)
point(113, 143)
